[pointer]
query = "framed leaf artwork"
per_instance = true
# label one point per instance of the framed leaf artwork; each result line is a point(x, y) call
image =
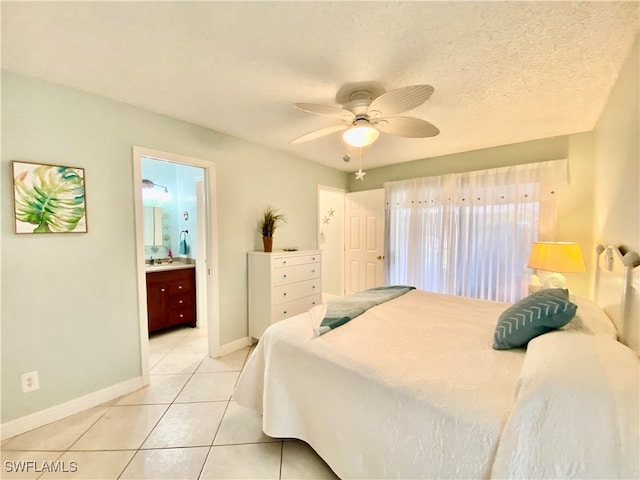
point(48, 198)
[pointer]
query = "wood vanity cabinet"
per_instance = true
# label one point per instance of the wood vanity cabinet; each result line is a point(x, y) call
point(171, 298)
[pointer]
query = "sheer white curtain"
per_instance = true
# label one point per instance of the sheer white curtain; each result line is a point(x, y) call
point(470, 233)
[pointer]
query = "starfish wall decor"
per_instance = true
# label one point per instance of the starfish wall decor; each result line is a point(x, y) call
point(328, 216)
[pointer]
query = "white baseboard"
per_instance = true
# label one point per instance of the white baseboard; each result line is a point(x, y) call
point(58, 412)
point(327, 297)
point(235, 345)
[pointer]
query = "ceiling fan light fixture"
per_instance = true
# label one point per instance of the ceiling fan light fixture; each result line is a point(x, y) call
point(361, 134)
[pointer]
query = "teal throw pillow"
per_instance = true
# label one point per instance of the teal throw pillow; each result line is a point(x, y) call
point(534, 315)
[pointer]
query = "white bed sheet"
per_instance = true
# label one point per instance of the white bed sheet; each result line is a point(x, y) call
point(413, 389)
point(396, 393)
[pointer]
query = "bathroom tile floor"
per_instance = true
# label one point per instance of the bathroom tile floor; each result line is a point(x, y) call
point(184, 425)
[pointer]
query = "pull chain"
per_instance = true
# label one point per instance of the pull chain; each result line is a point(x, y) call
point(360, 174)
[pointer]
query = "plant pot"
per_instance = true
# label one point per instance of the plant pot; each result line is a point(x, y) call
point(268, 244)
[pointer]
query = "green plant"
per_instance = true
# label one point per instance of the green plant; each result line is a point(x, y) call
point(270, 221)
point(51, 198)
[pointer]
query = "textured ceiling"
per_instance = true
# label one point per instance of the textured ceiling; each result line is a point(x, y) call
point(503, 72)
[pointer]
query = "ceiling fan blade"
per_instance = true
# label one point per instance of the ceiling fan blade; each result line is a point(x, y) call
point(399, 100)
point(318, 133)
point(326, 110)
point(409, 127)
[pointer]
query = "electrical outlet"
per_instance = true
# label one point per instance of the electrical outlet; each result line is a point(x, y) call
point(30, 381)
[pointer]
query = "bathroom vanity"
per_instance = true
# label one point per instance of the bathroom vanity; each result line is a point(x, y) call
point(171, 295)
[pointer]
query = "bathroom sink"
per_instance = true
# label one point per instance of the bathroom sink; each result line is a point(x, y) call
point(167, 266)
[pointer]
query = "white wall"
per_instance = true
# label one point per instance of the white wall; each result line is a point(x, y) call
point(617, 151)
point(331, 240)
point(69, 301)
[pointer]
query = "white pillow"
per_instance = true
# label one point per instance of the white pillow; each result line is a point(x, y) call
point(592, 317)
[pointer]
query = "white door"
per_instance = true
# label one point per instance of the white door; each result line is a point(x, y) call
point(201, 261)
point(364, 240)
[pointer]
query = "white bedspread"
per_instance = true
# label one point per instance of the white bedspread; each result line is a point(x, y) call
point(576, 414)
point(396, 393)
point(413, 389)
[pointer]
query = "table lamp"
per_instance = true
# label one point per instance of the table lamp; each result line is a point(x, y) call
point(556, 258)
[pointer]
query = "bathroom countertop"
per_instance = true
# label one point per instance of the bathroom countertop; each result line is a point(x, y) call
point(168, 266)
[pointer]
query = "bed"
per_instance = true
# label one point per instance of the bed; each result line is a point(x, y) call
point(412, 388)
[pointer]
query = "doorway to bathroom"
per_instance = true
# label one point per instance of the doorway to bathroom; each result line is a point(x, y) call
point(176, 219)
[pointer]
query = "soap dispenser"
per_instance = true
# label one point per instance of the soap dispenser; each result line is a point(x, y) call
point(170, 257)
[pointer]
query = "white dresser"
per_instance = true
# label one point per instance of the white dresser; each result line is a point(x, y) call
point(281, 284)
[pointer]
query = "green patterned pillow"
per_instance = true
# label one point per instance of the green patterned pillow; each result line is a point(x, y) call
point(534, 315)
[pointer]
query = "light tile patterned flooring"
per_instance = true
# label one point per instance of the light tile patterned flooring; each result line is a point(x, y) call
point(184, 425)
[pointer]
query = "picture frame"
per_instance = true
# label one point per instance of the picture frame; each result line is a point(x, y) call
point(48, 198)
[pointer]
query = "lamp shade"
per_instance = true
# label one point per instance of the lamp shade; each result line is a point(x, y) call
point(361, 134)
point(564, 257)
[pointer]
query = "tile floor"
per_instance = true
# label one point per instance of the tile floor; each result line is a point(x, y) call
point(184, 425)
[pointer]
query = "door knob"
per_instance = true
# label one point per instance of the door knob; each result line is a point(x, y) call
point(380, 257)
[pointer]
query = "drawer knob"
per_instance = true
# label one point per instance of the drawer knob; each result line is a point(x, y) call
point(313, 287)
point(313, 258)
point(181, 315)
point(313, 303)
point(284, 294)
point(313, 271)
point(284, 262)
point(179, 287)
point(284, 276)
point(180, 301)
point(162, 289)
point(285, 312)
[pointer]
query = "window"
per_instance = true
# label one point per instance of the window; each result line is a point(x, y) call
point(469, 234)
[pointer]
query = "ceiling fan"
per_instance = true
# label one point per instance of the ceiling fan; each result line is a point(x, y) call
point(363, 117)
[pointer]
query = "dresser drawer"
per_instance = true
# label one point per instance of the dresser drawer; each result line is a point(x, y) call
point(289, 309)
point(177, 317)
point(280, 285)
point(171, 298)
point(296, 273)
point(293, 291)
point(183, 301)
point(180, 286)
point(289, 261)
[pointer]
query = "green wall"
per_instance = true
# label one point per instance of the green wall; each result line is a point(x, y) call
point(69, 301)
point(535, 151)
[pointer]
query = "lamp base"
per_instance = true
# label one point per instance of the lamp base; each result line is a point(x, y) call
point(554, 280)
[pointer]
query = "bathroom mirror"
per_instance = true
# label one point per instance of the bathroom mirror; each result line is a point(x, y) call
point(152, 220)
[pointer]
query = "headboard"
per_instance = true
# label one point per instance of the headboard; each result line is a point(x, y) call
point(617, 291)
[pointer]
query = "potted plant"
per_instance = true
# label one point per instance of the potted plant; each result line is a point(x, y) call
point(268, 223)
